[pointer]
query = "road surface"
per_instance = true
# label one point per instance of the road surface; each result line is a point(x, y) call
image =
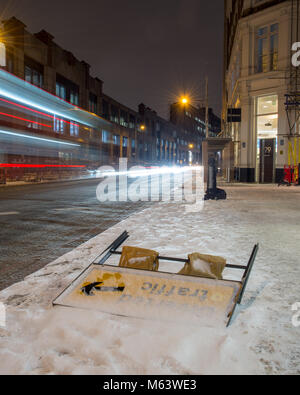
point(39, 223)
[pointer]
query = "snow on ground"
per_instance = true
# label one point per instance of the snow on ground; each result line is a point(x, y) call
point(39, 339)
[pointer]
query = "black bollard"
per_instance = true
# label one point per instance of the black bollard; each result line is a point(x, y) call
point(213, 193)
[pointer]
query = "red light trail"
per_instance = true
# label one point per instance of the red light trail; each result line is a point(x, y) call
point(24, 119)
point(37, 112)
point(39, 166)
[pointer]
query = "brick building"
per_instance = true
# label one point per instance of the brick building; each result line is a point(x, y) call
point(79, 113)
point(192, 119)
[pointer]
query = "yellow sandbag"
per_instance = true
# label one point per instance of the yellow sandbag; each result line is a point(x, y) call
point(207, 266)
point(139, 258)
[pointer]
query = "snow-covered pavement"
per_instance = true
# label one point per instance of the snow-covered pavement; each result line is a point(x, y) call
point(39, 339)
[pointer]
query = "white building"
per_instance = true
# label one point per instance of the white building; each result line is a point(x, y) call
point(259, 35)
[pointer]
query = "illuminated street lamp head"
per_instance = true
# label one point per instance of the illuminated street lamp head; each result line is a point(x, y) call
point(184, 100)
point(191, 146)
point(143, 127)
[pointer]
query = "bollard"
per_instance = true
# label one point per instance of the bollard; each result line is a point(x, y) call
point(213, 193)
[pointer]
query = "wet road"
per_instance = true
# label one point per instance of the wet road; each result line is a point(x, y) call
point(39, 223)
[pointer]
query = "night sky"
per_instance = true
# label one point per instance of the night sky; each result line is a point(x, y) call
point(144, 51)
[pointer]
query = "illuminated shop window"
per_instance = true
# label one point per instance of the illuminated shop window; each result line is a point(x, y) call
point(267, 117)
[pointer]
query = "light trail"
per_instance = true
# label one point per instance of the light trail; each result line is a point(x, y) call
point(38, 138)
point(148, 172)
point(26, 120)
point(34, 166)
point(37, 112)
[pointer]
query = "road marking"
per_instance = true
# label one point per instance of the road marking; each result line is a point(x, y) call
point(9, 213)
point(83, 210)
point(70, 209)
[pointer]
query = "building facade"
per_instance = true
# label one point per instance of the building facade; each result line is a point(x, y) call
point(189, 118)
point(258, 73)
point(103, 128)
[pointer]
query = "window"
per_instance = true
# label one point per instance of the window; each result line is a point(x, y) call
point(105, 137)
point(74, 129)
point(267, 48)
point(74, 97)
point(114, 114)
point(67, 90)
point(105, 109)
point(106, 143)
point(58, 125)
point(33, 76)
point(133, 148)
point(274, 47)
point(116, 140)
point(125, 147)
point(61, 91)
point(93, 103)
point(132, 122)
point(125, 141)
point(116, 146)
point(123, 119)
point(267, 117)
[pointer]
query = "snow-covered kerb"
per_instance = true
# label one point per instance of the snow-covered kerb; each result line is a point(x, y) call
point(262, 339)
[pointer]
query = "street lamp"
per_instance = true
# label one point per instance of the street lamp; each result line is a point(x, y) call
point(184, 100)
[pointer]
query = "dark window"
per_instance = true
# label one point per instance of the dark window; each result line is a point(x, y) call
point(105, 109)
point(132, 122)
point(33, 76)
point(61, 91)
point(116, 147)
point(124, 119)
point(74, 129)
point(74, 97)
point(125, 147)
point(114, 117)
point(93, 103)
point(67, 90)
point(133, 148)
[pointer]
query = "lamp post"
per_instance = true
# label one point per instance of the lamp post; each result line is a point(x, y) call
point(142, 128)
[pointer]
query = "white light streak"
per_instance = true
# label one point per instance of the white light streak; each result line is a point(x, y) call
point(38, 138)
point(148, 172)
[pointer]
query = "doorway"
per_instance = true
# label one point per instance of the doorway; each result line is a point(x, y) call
point(267, 156)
